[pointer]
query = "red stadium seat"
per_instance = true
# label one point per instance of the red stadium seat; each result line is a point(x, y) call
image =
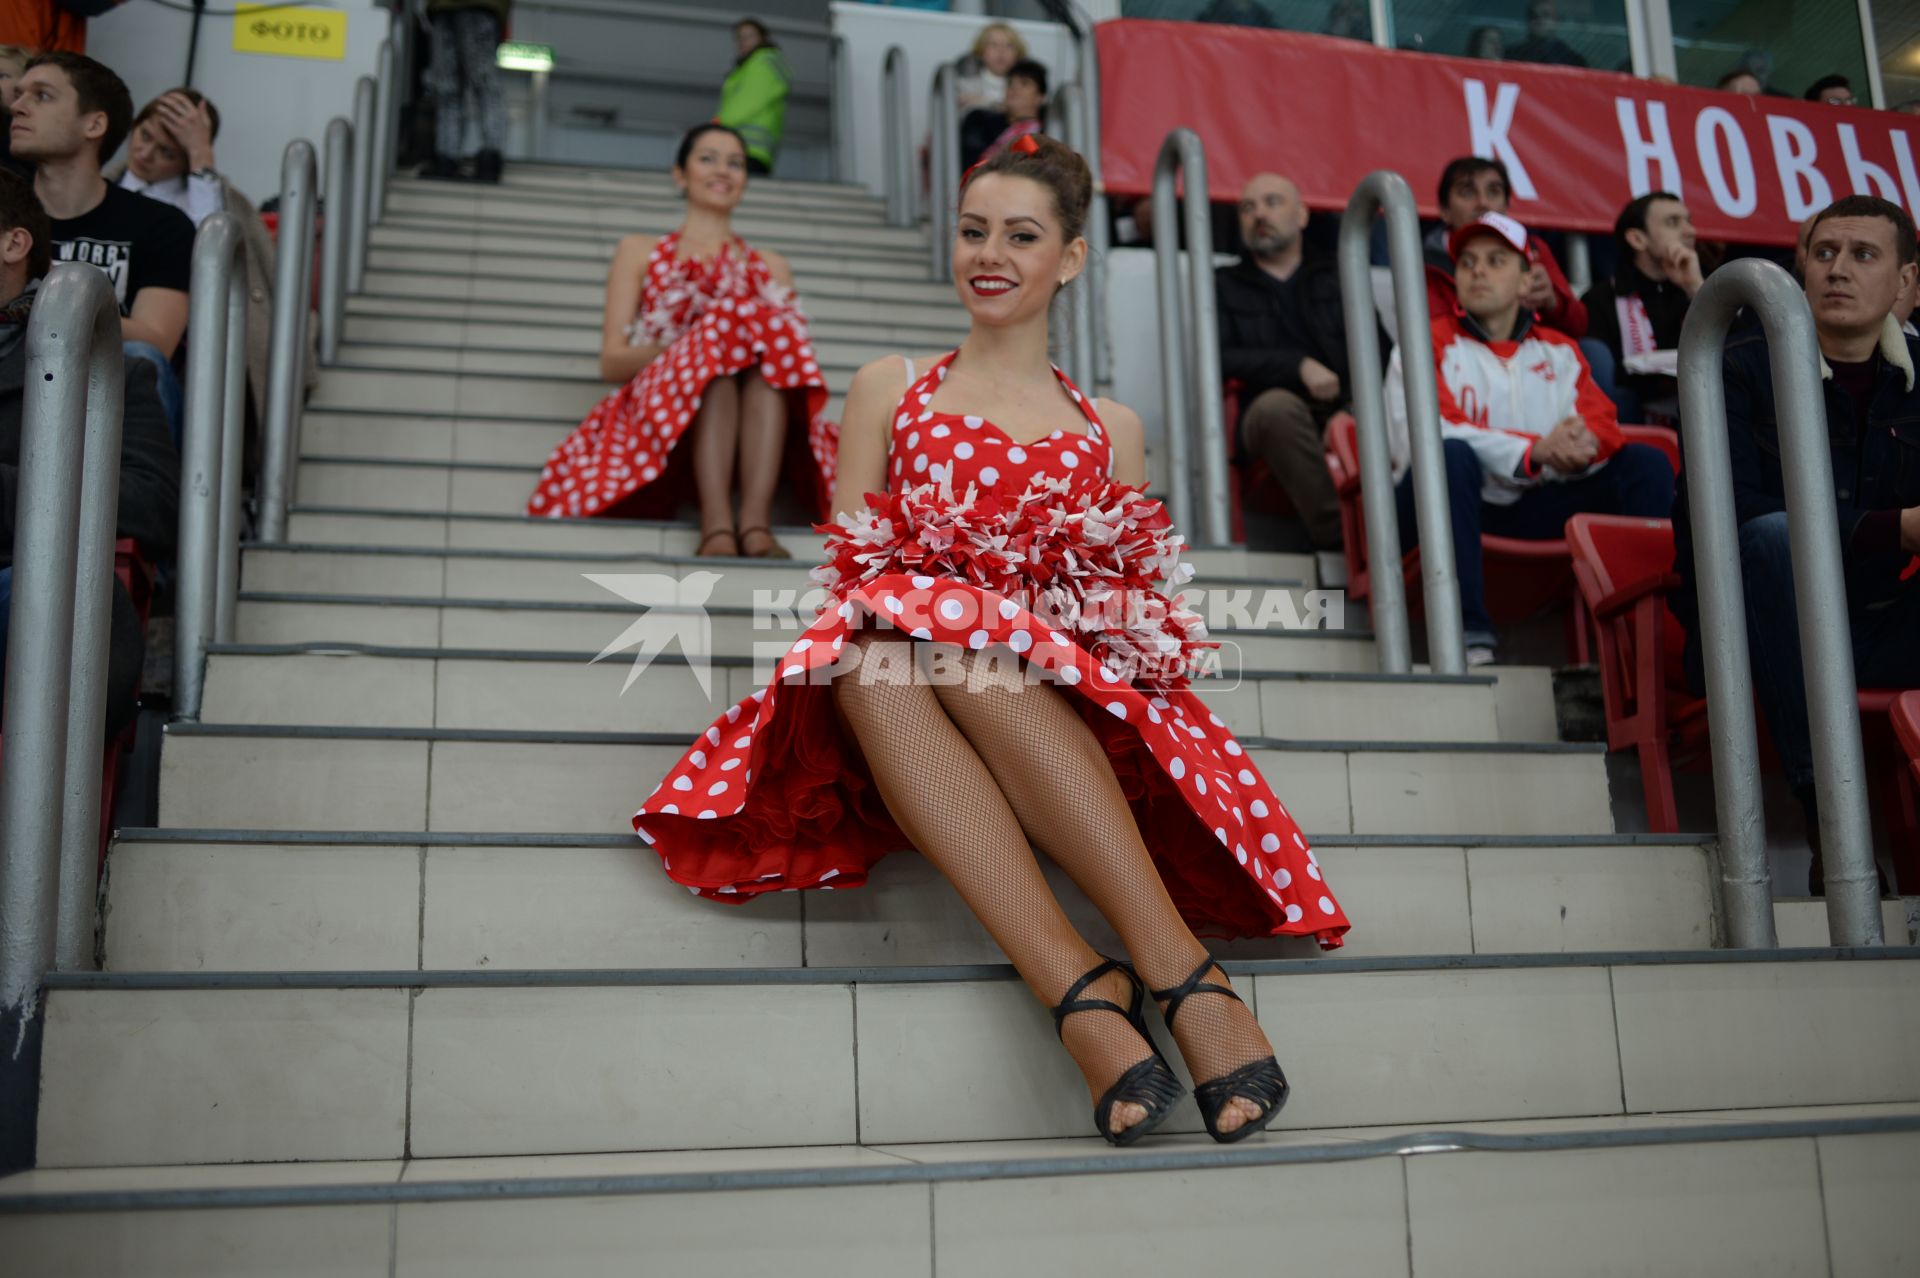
point(1252, 485)
point(1523, 578)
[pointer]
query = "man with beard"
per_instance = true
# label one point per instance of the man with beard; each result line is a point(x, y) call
point(1283, 338)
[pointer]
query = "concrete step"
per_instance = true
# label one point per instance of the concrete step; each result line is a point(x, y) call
point(780, 232)
point(838, 360)
point(1803, 1190)
point(425, 572)
point(537, 213)
point(606, 536)
point(762, 196)
point(904, 297)
point(412, 621)
point(838, 343)
point(259, 900)
point(562, 328)
point(415, 778)
point(549, 692)
point(447, 394)
point(904, 263)
point(148, 1068)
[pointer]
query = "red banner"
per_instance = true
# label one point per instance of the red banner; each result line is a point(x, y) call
point(1578, 144)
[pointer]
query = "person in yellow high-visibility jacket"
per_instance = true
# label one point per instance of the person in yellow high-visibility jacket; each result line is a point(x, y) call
point(753, 101)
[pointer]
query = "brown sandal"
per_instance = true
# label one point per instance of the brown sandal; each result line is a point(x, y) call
point(701, 549)
point(774, 549)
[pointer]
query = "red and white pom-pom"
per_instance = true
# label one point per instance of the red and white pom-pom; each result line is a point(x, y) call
point(1093, 558)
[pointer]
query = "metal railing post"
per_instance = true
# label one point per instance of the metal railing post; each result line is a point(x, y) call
point(286, 369)
point(55, 712)
point(333, 247)
point(386, 123)
point(1819, 591)
point(837, 124)
point(1099, 236)
point(364, 94)
point(1070, 104)
point(943, 162)
point(896, 123)
point(1190, 337)
point(1446, 651)
point(214, 420)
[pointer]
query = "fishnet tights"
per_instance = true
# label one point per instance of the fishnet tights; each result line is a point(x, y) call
point(975, 766)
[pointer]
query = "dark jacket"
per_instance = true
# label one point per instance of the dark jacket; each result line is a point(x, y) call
point(1875, 471)
point(1255, 349)
point(1666, 305)
point(149, 464)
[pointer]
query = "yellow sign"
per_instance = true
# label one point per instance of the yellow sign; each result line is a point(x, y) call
point(282, 31)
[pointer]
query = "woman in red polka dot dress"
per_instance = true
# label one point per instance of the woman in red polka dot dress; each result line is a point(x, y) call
point(706, 336)
point(995, 671)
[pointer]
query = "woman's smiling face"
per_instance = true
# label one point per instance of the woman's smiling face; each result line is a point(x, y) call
point(1009, 256)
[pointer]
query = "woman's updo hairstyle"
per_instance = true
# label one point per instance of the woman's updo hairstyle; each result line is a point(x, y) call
point(698, 131)
point(1054, 165)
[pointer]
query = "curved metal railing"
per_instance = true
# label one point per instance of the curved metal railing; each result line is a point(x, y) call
point(1189, 339)
point(335, 236)
point(896, 116)
point(943, 164)
point(286, 369)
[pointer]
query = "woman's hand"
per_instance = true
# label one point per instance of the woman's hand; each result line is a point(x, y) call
point(191, 126)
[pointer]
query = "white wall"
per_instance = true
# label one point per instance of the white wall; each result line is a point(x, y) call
point(264, 102)
point(928, 39)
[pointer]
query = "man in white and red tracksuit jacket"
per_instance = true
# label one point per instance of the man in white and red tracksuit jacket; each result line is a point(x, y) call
point(1530, 438)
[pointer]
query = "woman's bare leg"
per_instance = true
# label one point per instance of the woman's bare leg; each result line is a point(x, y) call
point(944, 798)
point(716, 435)
point(763, 437)
point(1055, 775)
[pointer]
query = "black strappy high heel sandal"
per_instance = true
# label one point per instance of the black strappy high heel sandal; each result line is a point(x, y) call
point(1151, 1084)
point(1261, 1082)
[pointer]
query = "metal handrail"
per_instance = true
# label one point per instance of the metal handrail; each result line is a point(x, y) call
point(386, 122)
point(365, 92)
point(55, 712)
point(1189, 338)
point(1383, 189)
point(943, 162)
point(216, 418)
point(837, 124)
point(286, 367)
point(1099, 235)
point(334, 235)
point(1070, 106)
point(896, 105)
point(1819, 591)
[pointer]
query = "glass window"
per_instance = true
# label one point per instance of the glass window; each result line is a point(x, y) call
point(1784, 45)
point(1580, 33)
point(1896, 33)
point(1325, 17)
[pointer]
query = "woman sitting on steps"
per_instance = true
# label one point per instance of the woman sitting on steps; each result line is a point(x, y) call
point(706, 338)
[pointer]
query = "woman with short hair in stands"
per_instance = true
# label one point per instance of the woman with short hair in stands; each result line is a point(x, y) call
point(980, 87)
point(705, 338)
point(1000, 673)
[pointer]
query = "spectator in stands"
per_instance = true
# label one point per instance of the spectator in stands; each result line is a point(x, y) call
point(1636, 315)
point(1910, 107)
point(1830, 89)
point(1470, 186)
point(170, 158)
point(753, 101)
point(1238, 13)
point(1739, 80)
point(71, 114)
point(1348, 20)
point(1530, 439)
point(1860, 260)
point(1542, 44)
point(1026, 106)
point(13, 62)
point(705, 339)
point(981, 88)
point(1283, 337)
point(1488, 43)
point(465, 83)
point(149, 466)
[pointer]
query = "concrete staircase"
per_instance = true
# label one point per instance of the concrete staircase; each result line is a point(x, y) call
point(391, 990)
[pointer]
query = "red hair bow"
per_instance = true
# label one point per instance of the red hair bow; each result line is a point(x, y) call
point(1025, 144)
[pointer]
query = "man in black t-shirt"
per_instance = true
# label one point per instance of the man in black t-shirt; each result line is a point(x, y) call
point(70, 114)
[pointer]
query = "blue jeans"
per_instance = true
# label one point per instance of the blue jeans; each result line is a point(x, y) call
point(1637, 480)
point(172, 398)
point(1886, 642)
point(1606, 375)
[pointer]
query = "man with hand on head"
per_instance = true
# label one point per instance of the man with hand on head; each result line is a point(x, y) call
point(1860, 261)
point(70, 115)
point(1530, 440)
point(1283, 337)
point(1637, 314)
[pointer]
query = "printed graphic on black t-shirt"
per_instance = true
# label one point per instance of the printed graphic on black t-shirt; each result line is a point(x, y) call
point(139, 242)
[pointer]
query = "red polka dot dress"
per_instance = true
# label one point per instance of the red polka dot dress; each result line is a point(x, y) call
point(716, 316)
point(774, 797)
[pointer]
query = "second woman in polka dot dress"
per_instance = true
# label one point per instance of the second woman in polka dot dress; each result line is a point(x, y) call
point(946, 703)
point(708, 341)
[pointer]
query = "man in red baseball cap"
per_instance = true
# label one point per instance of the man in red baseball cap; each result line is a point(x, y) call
point(1529, 438)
